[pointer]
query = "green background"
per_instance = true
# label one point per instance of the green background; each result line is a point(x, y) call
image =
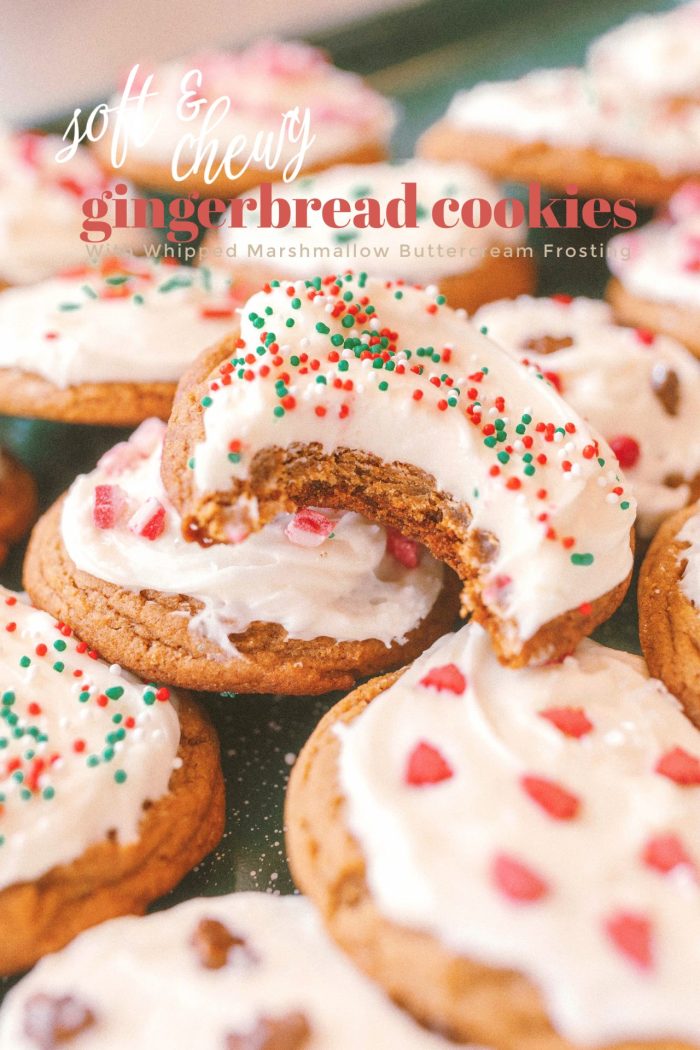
point(420, 57)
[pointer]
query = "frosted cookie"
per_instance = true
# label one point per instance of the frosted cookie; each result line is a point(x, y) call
point(312, 602)
point(110, 790)
point(259, 974)
point(470, 266)
point(108, 344)
point(669, 607)
point(656, 271)
point(284, 104)
point(18, 501)
point(358, 393)
point(512, 855)
point(551, 126)
point(640, 391)
point(41, 205)
point(651, 57)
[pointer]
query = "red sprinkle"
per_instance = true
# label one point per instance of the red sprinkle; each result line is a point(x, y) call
point(426, 766)
point(517, 881)
point(666, 852)
point(631, 934)
point(448, 677)
point(571, 721)
point(626, 449)
point(680, 766)
point(552, 797)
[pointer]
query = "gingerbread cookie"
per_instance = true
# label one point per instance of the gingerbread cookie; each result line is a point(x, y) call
point(110, 790)
point(312, 602)
point(359, 393)
point(271, 110)
point(41, 208)
point(107, 345)
point(669, 607)
point(18, 501)
point(512, 855)
point(656, 271)
point(640, 391)
point(553, 127)
point(257, 973)
point(471, 266)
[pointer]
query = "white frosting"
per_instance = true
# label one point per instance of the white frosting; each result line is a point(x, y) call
point(434, 852)
point(562, 107)
point(84, 329)
point(426, 253)
point(144, 983)
point(607, 375)
point(41, 208)
point(661, 260)
point(690, 580)
point(652, 56)
point(96, 783)
point(382, 417)
point(358, 590)
point(267, 80)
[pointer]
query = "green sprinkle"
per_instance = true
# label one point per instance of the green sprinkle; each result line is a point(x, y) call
point(65, 307)
point(383, 385)
point(337, 340)
point(348, 321)
point(8, 698)
point(343, 366)
point(398, 295)
point(59, 645)
point(206, 401)
point(138, 299)
point(90, 292)
point(278, 411)
point(48, 793)
point(120, 776)
point(234, 457)
point(582, 559)
point(322, 328)
point(59, 666)
point(24, 661)
point(121, 279)
point(290, 322)
point(624, 505)
point(503, 457)
point(149, 697)
point(93, 761)
point(115, 692)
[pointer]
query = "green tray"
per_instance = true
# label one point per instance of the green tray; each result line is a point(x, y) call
point(439, 47)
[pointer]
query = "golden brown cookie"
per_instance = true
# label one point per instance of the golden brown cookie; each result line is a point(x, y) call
point(106, 344)
point(118, 795)
point(669, 607)
point(440, 775)
point(149, 632)
point(555, 167)
point(681, 322)
point(18, 501)
point(408, 443)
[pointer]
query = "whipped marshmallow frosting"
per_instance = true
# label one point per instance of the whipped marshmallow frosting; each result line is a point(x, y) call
point(359, 590)
point(72, 767)
point(652, 56)
point(660, 261)
point(41, 208)
point(563, 108)
point(544, 820)
point(144, 984)
point(132, 321)
point(642, 392)
point(393, 372)
point(384, 252)
point(690, 580)
point(263, 82)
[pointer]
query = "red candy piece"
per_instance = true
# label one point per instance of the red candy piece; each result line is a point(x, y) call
point(553, 798)
point(517, 881)
point(563, 298)
point(109, 504)
point(447, 677)
point(626, 449)
point(407, 552)
point(666, 852)
point(631, 933)
point(426, 766)
point(571, 721)
point(149, 519)
point(680, 766)
point(309, 528)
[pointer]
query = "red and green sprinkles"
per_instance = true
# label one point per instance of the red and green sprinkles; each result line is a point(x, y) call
point(523, 448)
point(27, 754)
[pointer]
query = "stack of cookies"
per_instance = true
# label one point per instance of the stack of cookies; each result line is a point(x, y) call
point(496, 829)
